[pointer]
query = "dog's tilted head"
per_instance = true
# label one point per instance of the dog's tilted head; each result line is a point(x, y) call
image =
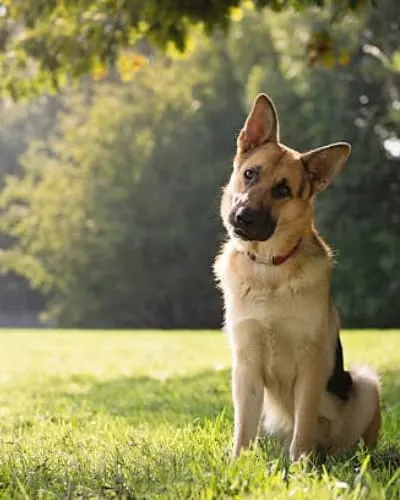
point(272, 186)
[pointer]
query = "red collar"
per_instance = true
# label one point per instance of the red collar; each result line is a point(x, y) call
point(278, 259)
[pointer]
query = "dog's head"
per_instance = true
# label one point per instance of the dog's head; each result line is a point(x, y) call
point(272, 186)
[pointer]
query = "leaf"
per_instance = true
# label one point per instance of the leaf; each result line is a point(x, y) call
point(396, 61)
point(344, 58)
point(99, 70)
point(236, 14)
point(129, 63)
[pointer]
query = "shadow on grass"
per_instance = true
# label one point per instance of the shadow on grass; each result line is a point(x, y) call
point(180, 400)
point(148, 400)
point(387, 456)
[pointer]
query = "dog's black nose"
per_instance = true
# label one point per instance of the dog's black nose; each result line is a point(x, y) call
point(244, 217)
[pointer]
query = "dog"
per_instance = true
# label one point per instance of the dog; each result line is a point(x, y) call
point(274, 272)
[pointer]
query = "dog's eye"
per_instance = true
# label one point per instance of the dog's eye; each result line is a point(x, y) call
point(249, 174)
point(281, 190)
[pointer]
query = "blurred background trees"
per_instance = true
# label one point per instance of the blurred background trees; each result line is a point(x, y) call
point(110, 188)
point(46, 43)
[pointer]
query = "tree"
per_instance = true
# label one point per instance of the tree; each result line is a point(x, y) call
point(363, 215)
point(46, 43)
point(114, 216)
point(21, 124)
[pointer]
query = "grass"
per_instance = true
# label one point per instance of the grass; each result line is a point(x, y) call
point(148, 415)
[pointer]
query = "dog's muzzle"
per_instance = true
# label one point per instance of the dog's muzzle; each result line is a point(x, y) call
point(252, 224)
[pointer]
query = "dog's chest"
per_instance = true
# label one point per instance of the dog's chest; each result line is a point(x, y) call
point(288, 314)
point(284, 328)
point(284, 354)
point(284, 310)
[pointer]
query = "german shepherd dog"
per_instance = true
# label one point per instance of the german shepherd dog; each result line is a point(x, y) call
point(274, 272)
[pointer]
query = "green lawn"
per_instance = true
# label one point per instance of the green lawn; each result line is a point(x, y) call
point(148, 415)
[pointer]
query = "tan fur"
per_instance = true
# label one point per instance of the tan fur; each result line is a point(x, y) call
point(281, 320)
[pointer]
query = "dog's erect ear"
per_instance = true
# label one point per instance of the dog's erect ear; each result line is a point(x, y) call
point(261, 125)
point(324, 163)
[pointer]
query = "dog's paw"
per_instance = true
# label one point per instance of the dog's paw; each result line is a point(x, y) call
point(299, 450)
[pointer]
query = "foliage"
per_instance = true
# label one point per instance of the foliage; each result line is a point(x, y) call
point(148, 415)
point(20, 126)
point(363, 216)
point(114, 215)
point(44, 44)
point(113, 197)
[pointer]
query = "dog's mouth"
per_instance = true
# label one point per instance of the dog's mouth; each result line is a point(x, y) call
point(261, 235)
point(241, 233)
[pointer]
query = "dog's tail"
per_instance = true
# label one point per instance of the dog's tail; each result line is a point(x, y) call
point(363, 414)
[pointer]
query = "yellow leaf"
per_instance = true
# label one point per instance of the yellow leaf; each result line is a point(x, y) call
point(236, 14)
point(190, 46)
point(328, 60)
point(129, 63)
point(99, 71)
point(248, 5)
point(396, 61)
point(344, 58)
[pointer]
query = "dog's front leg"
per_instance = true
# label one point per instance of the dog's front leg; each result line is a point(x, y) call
point(247, 383)
point(308, 389)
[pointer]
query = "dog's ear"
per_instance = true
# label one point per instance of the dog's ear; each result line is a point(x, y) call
point(324, 163)
point(261, 126)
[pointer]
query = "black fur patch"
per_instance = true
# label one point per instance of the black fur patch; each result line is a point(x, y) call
point(340, 382)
